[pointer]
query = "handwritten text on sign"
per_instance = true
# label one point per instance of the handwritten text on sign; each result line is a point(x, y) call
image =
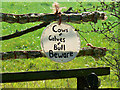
point(60, 42)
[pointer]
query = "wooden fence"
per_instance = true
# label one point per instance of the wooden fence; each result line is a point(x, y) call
point(86, 78)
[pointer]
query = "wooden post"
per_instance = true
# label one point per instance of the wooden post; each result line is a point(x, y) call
point(81, 83)
point(89, 82)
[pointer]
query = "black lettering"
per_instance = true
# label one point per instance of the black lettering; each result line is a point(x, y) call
point(71, 54)
point(55, 54)
point(61, 47)
point(60, 55)
point(59, 30)
point(63, 39)
point(55, 38)
point(51, 54)
point(50, 37)
point(64, 47)
point(54, 28)
point(66, 30)
point(64, 55)
point(60, 39)
point(67, 54)
point(55, 47)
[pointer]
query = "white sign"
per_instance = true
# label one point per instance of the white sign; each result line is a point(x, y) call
point(60, 43)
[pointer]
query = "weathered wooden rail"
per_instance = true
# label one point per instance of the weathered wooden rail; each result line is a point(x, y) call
point(50, 17)
point(96, 53)
point(86, 78)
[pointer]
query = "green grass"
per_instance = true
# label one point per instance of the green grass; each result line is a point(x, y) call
point(31, 41)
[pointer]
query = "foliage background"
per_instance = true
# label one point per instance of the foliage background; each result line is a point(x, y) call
point(31, 41)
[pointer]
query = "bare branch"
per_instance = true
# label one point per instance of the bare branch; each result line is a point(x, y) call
point(115, 15)
point(17, 34)
point(49, 17)
point(86, 51)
